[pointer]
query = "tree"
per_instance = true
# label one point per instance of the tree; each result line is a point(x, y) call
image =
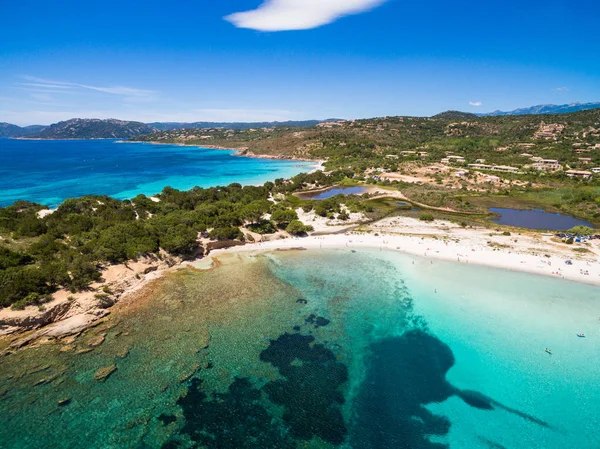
point(227, 233)
point(252, 212)
point(296, 227)
point(284, 216)
point(179, 240)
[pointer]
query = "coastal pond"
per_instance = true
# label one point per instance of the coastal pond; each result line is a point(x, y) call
point(536, 219)
point(323, 195)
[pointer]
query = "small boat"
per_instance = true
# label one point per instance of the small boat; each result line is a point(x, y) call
point(548, 351)
point(581, 335)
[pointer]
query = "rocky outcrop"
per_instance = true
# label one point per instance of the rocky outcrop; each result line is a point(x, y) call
point(57, 312)
point(104, 373)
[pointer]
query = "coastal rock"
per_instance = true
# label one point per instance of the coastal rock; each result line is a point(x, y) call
point(104, 373)
point(63, 402)
point(73, 325)
point(40, 319)
point(97, 340)
point(84, 350)
point(69, 339)
point(67, 348)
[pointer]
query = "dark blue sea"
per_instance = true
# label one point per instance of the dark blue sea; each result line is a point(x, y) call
point(49, 171)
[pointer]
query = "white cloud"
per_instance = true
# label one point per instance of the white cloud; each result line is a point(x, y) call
point(561, 90)
point(285, 15)
point(36, 84)
point(475, 103)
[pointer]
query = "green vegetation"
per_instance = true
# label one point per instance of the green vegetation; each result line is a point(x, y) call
point(296, 227)
point(68, 248)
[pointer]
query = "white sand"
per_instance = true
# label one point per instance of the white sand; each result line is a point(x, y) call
point(532, 253)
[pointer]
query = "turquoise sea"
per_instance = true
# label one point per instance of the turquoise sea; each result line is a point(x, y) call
point(321, 349)
point(49, 171)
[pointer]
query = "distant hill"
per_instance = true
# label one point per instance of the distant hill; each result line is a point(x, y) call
point(546, 109)
point(10, 130)
point(169, 126)
point(79, 128)
point(455, 115)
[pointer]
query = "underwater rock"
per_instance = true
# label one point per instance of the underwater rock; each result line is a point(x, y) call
point(97, 340)
point(301, 301)
point(63, 402)
point(123, 353)
point(187, 375)
point(204, 339)
point(103, 373)
point(84, 350)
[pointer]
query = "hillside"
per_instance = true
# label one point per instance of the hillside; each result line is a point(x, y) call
point(454, 115)
point(353, 142)
point(10, 130)
point(169, 126)
point(93, 129)
point(546, 109)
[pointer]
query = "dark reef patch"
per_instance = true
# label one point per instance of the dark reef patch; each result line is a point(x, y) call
point(310, 391)
point(404, 374)
point(166, 419)
point(233, 420)
point(301, 301)
point(318, 321)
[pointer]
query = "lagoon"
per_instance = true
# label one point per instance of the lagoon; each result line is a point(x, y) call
point(537, 219)
point(49, 171)
point(356, 190)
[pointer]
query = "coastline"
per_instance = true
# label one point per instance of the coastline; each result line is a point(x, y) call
point(541, 260)
point(243, 151)
point(527, 252)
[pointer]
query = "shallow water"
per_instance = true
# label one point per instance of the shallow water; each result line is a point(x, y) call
point(338, 348)
point(537, 219)
point(49, 171)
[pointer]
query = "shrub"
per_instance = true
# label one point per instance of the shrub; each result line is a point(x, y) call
point(582, 230)
point(296, 227)
point(263, 227)
point(425, 216)
point(284, 216)
point(226, 233)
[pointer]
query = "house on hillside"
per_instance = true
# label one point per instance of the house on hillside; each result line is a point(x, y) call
point(547, 165)
point(582, 174)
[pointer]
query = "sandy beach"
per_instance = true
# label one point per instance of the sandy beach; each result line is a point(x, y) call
point(532, 253)
point(529, 252)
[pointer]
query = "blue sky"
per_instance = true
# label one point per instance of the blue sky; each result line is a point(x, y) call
point(247, 60)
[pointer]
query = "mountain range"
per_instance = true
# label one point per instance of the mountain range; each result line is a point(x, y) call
point(546, 109)
point(79, 128)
